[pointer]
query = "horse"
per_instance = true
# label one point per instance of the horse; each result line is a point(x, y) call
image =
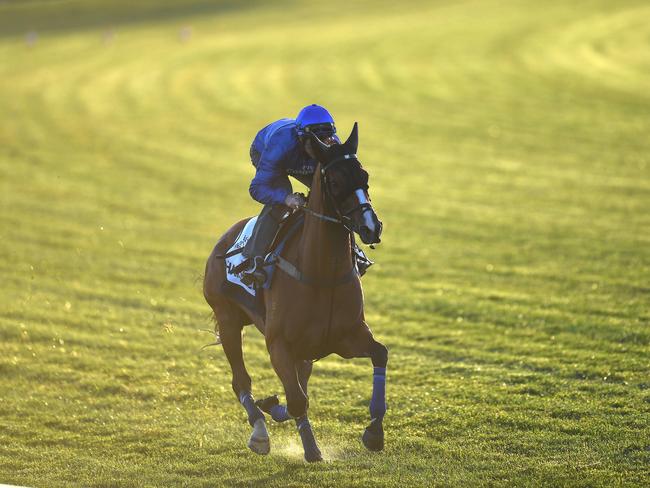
point(315, 304)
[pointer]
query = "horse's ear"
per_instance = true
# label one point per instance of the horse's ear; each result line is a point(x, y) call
point(353, 138)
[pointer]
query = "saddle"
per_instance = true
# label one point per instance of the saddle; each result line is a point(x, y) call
point(248, 295)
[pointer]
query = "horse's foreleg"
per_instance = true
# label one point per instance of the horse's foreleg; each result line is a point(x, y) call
point(231, 340)
point(373, 437)
point(294, 376)
point(363, 344)
point(312, 452)
point(285, 367)
point(272, 405)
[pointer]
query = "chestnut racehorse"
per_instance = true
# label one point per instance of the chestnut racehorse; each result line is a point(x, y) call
point(315, 304)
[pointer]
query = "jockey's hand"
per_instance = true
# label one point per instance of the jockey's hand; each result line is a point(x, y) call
point(295, 200)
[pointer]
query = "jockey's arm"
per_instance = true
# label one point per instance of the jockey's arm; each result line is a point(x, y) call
point(271, 185)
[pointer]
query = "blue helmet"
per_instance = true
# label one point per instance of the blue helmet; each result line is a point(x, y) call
point(316, 119)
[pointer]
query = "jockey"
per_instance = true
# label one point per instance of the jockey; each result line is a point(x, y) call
point(279, 150)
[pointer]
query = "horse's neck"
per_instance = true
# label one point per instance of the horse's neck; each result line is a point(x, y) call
point(325, 247)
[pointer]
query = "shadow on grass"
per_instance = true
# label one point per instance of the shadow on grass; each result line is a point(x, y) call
point(57, 17)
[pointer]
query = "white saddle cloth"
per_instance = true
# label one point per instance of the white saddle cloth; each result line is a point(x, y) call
point(233, 261)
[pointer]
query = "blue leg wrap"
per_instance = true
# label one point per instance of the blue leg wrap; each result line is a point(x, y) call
point(312, 453)
point(378, 401)
point(279, 413)
point(254, 413)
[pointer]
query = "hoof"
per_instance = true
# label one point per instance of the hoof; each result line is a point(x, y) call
point(259, 445)
point(259, 441)
point(373, 437)
point(312, 453)
point(313, 457)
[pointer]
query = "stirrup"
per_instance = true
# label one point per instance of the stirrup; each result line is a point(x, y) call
point(361, 260)
point(255, 275)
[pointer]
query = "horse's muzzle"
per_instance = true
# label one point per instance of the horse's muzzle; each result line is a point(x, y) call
point(371, 234)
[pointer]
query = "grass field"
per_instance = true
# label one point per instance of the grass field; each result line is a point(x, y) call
point(508, 148)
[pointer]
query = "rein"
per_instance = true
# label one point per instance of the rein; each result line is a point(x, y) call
point(364, 207)
point(322, 216)
point(343, 219)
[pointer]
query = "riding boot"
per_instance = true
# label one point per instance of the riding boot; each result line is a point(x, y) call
point(258, 244)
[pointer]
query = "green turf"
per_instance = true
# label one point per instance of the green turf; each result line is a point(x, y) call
point(508, 148)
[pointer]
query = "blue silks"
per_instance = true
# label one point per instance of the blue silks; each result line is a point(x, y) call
point(277, 153)
point(254, 413)
point(314, 115)
point(378, 401)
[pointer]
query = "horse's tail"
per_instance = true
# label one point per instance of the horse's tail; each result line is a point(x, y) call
point(215, 331)
point(213, 317)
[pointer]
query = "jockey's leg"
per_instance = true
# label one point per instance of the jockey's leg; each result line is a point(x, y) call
point(264, 231)
point(363, 344)
point(259, 242)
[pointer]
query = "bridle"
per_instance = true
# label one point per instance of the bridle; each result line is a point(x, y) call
point(344, 218)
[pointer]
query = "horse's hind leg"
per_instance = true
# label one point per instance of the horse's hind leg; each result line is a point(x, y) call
point(363, 344)
point(231, 340)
